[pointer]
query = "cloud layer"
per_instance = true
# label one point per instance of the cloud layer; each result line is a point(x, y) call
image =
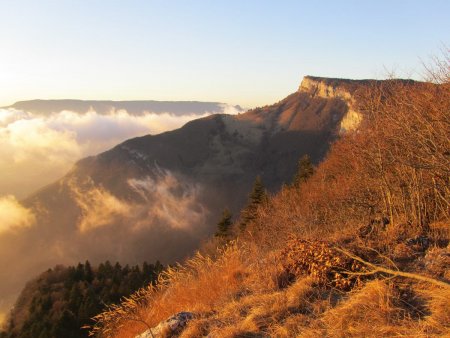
point(170, 201)
point(162, 217)
point(13, 215)
point(163, 200)
point(98, 206)
point(38, 149)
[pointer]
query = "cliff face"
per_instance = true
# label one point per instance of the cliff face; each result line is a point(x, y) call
point(341, 89)
point(326, 88)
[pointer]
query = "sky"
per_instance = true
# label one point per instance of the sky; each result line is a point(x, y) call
point(251, 52)
point(246, 52)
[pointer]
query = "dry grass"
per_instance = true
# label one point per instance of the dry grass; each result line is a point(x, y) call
point(257, 314)
point(303, 310)
point(437, 320)
point(378, 310)
point(245, 293)
point(198, 286)
point(367, 312)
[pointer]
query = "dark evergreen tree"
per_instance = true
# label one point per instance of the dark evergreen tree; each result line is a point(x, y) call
point(305, 170)
point(65, 326)
point(79, 272)
point(257, 197)
point(224, 225)
point(88, 275)
point(65, 299)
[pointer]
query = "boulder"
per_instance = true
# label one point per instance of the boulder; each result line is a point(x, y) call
point(170, 327)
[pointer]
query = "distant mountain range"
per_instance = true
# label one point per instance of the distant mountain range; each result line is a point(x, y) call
point(156, 197)
point(178, 108)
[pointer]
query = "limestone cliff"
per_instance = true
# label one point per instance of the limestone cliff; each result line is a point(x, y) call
point(342, 89)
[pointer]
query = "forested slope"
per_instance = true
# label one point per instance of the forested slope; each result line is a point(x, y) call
point(62, 300)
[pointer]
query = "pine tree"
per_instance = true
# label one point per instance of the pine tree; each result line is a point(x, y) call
point(75, 297)
point(257, 197)
point(79, 272)
point(88, 274)
point(224, 225)
point(305, 170)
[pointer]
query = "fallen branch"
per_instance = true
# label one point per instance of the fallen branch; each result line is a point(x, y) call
point(376, 269)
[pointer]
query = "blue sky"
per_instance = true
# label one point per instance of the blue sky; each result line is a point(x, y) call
point(245, 52)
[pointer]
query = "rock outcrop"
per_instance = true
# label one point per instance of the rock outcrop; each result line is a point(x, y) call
point(341, 89)
point(170, 327)
point(328, 88)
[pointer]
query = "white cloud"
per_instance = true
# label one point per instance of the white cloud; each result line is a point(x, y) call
point(166, 200)
point(13, 215)
point(230, 109)
point(33, 139)
point(98, 206)
point(170, 201)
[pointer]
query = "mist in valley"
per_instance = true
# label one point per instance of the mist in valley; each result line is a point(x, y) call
point(39, 147)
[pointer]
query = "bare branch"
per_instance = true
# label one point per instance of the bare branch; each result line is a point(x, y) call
point(377, 269)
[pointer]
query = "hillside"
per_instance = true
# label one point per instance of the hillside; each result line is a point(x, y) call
point(358, 249)
point(159, 196)
point(156, 197)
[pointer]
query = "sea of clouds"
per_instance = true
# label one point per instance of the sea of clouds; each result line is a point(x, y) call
point(36, 150)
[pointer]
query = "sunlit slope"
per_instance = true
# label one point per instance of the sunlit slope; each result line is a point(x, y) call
point(360, 248)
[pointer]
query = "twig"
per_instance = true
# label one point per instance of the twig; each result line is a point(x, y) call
point(143, 322)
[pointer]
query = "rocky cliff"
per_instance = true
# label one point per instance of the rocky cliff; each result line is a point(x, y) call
point(342, 89)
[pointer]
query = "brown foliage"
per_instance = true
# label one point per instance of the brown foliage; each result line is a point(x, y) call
point(407, 147)
point(320, 260)
point(394, 171)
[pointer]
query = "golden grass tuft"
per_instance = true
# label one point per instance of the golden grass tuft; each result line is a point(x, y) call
point(437, 321)
point(196, 328)
point(260, 313)
point(378, 310)
point(367, 312)
point(198, 286)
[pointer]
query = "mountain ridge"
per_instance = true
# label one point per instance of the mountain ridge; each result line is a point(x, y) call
point(134, 107)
